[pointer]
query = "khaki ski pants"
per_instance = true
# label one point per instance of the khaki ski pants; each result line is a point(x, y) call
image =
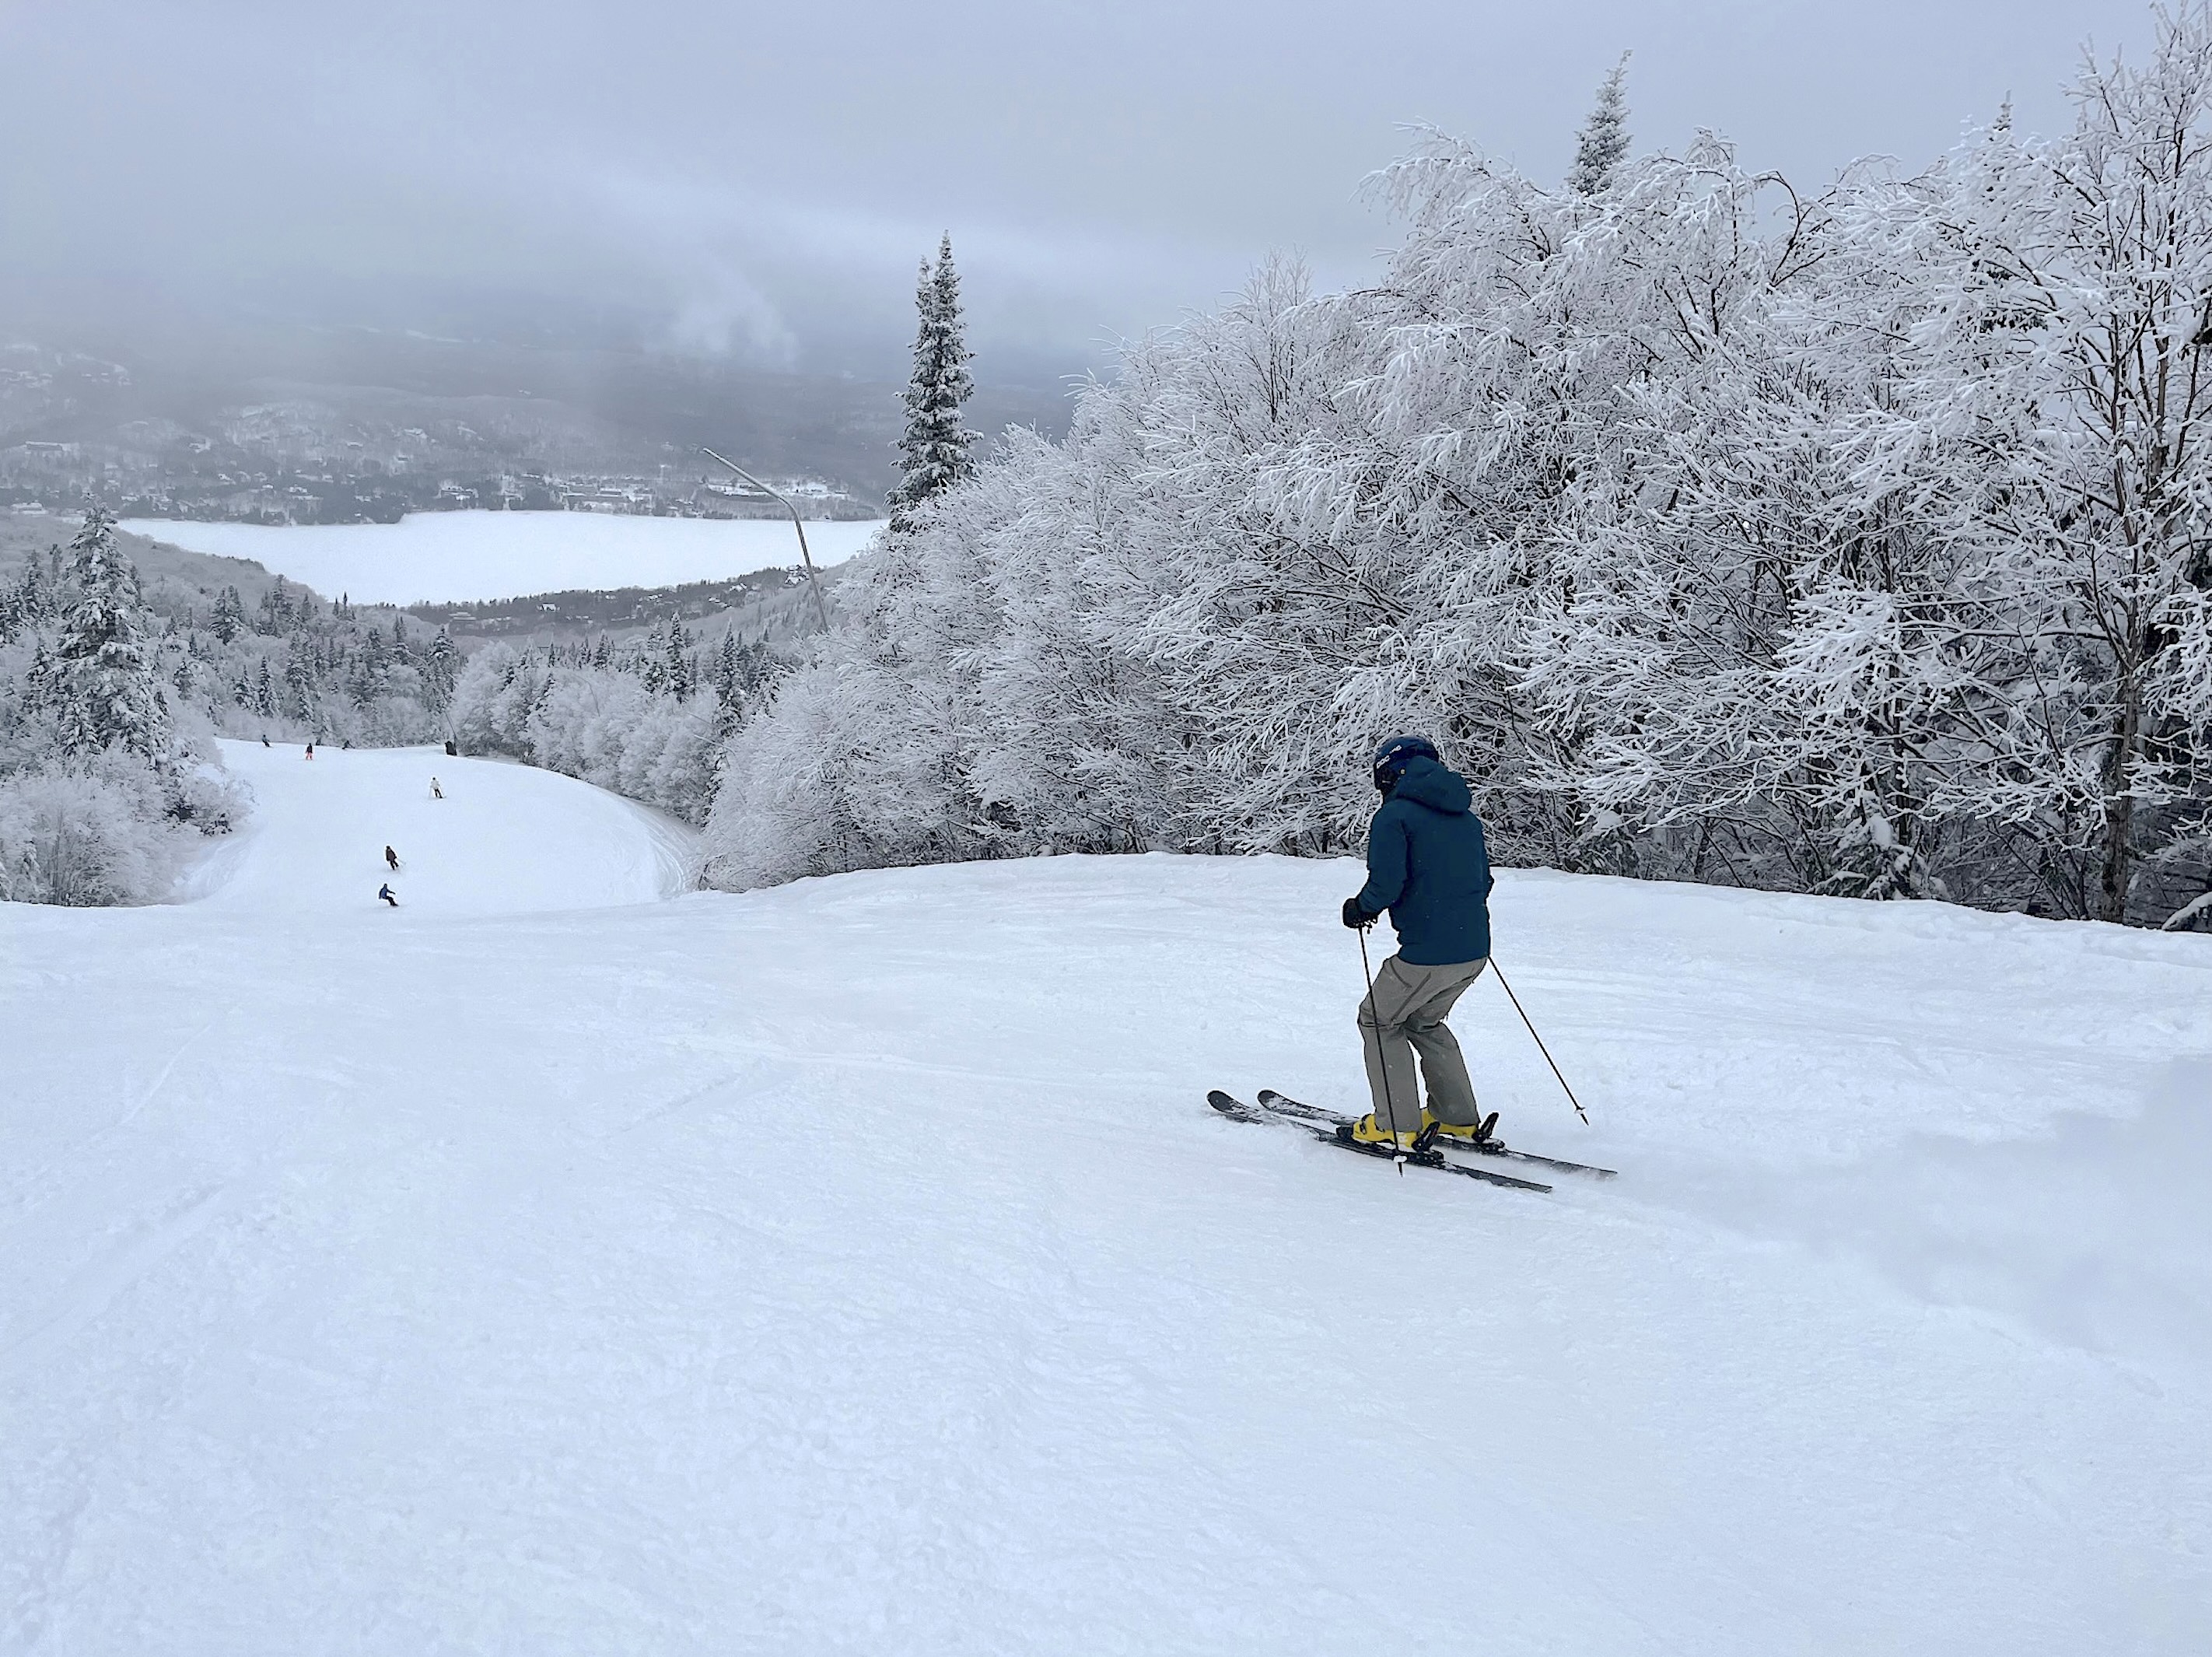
point(1404, 1015)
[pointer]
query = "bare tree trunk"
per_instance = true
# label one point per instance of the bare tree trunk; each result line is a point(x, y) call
point(2120, 809)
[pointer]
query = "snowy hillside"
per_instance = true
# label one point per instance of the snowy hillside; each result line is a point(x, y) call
point(504, 839)
point(853, 1266)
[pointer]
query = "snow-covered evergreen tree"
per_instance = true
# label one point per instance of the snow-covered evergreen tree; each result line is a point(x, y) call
point(1603, 144)
point(298, 698)
point(41, 683)
point(676, 666)
point(441, 668)
point(25, 604)
point(107, 689)
point(104, 783)
point(933, 449)
point(723, 676)
point(229, 617)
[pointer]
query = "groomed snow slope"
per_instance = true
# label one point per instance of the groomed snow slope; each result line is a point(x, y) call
point(853, 1267)
point(506, 839)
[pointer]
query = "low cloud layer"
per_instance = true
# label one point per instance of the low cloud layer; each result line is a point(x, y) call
point(758, 181)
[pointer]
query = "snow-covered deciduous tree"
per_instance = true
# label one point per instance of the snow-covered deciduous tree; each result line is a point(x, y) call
point(99, 831)
point(1846, 540)
point(2105, 248)
point(615, 718)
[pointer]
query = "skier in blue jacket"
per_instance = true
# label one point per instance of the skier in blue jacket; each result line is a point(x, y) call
point(1427, 865)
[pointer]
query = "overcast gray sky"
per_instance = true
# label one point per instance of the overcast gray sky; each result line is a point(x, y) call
point(760, 178)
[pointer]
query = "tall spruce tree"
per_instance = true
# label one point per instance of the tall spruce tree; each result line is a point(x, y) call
point(229, 614)
point(107, 692)
point(1603, 144)
point(727, 676)
point(677, 667)
point(933, 451)
point(299, 699)
point(443, 668)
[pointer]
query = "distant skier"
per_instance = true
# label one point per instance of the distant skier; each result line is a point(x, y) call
point(384, 892)
point(436, 793)
point(1427, 865)
point(391, 860)
point(311, 751)
point(265, 739)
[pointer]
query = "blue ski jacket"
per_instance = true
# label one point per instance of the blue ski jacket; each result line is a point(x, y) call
point(1427, 864)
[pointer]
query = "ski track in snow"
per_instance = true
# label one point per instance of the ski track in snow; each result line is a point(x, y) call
point(854, 1267)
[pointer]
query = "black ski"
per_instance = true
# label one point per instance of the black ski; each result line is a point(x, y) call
point(1283, 1105)
point(1237, 1110)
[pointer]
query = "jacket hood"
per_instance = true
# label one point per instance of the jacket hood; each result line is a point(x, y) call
point(1427, 784)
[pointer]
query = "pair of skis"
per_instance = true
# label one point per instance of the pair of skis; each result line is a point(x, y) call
point(1332, 1128)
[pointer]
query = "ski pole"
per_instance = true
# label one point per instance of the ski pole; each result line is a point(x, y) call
point(1541, 1048)
point(1381, 1059)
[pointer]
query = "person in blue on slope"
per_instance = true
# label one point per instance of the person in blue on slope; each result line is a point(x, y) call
point(1428, 866)
point(384, 892)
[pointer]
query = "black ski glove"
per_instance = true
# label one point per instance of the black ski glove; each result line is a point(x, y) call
point(1354, 915)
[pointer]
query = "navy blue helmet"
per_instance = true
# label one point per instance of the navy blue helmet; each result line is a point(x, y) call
point(1393, 756)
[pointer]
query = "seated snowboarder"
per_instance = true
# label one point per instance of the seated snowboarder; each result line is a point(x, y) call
point(1427, 865)
point(384, 892)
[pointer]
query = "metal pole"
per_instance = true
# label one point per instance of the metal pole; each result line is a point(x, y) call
point(1541, 1048)
point(804, 557)
point(1382, 1058)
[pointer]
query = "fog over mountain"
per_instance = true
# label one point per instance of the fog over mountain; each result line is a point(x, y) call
point(756, 181)
point(582, 236)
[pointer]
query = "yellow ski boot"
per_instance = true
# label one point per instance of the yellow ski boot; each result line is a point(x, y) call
point(1368, 1132)
point(1464, 1133)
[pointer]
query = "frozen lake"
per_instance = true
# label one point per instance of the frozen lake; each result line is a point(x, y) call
point(450, 557)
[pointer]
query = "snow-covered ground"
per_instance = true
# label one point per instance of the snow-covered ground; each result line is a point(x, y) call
point(450, 557)
point(853, 1267)
point(503, 839)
